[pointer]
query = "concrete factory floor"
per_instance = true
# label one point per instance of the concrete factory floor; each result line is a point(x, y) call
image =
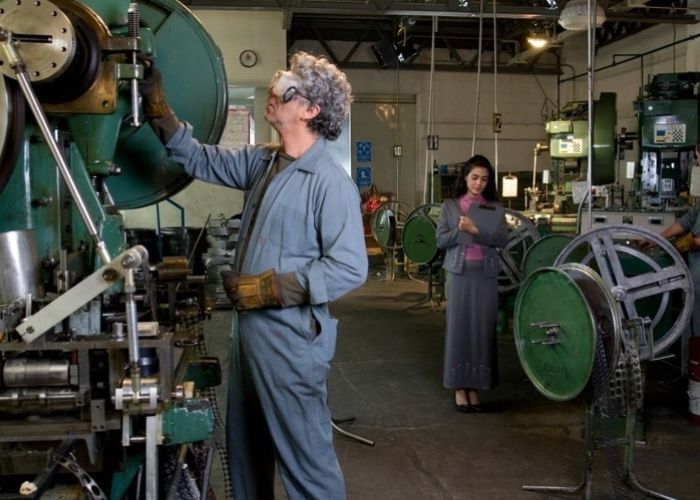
point(387, 374)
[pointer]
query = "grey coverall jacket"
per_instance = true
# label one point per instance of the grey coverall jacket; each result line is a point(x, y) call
point(308, 222)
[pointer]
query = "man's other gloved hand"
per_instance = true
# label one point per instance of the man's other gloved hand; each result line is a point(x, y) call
point(155, 104)
point(252, 292)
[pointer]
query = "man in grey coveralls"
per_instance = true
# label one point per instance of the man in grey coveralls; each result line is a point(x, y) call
point(301, 246)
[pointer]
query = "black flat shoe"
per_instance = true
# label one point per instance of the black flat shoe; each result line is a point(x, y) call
point(477, 408)
point(465, 408)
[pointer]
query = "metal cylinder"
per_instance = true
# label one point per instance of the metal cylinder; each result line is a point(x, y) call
point(23, 372)
point(44, 400)
point(19, 256)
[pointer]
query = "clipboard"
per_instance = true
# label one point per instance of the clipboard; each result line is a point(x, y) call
point(486, 217)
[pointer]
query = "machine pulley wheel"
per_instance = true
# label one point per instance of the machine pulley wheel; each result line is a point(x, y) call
point(522, 234)
point(44, 39)
point(647, 284)
point(544, 251)
point(387, 223)
point(559, 314)
point(194, 81)
point(419, 236)
point(12, 116)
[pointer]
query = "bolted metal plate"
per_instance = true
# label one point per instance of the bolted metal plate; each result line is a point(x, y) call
point(419, 236)
point(44, 38)
point(544, 252)
point(558, 363)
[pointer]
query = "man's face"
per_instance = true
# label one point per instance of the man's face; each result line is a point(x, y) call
point(284, 101)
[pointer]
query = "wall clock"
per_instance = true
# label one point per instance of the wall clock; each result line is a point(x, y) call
point(248, 58)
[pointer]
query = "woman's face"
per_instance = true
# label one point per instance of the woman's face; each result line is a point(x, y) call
point(477, 178)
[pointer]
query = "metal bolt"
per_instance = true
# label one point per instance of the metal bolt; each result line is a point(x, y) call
point(110, 275)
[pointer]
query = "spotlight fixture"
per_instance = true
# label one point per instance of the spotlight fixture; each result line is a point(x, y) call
point(539, 35)
point(574, 15)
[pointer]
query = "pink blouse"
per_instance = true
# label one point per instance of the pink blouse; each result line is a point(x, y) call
point(474, 251)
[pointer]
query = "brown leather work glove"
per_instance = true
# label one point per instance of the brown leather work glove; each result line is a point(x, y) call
point(252, 292)
point(155, 104)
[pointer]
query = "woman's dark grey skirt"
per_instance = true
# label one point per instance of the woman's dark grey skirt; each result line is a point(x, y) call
point(470, 341)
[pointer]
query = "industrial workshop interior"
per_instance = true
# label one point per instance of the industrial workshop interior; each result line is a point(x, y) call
point(116, 323)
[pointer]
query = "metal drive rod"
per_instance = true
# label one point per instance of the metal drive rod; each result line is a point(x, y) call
point(17, 64)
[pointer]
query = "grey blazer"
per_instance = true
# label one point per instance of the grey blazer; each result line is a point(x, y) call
point(454, 241)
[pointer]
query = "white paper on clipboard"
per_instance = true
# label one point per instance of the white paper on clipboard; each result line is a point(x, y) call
point(486, 217)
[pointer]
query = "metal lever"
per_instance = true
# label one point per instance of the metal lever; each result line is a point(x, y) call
point(551, 331)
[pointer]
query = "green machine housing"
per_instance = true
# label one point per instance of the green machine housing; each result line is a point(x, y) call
point(569, 143)
point(668, 131)
point(80, 388)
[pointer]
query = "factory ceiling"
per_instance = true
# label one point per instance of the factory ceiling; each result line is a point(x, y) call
point(461, 26)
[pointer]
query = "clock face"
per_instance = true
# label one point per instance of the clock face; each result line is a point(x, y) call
point(248, 58)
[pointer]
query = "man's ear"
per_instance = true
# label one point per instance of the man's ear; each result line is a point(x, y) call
point(311, 111)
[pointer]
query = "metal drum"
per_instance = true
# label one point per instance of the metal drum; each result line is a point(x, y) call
point(18, 255)
point(419, 236)
point(544, 252)
point(559, 315)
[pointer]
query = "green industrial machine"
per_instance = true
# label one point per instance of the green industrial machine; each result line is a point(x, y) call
point(569, 145)
point(668, 115)
point(95, 339)
point(579, 331)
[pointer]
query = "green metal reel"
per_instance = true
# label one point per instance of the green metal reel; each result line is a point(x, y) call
point(559, 315)
point(419, 236)
point(387, 223)
point(645, 283)
point(543, 252)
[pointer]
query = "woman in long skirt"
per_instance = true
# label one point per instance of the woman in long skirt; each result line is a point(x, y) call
point(472, 265)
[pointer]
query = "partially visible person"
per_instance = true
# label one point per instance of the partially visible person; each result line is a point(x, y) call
point(472, 264)
point(301, 246)
point(685, 235)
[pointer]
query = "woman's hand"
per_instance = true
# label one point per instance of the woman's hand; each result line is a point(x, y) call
point(467, 225)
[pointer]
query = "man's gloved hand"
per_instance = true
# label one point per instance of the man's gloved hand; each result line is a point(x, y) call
point(155, 104)
point(252, 292)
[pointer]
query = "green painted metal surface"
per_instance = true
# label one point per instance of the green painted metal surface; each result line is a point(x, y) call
point(604, 122)
point(419, 236)
point(189, 422)
point(204, 372)
point(195, 84)
point(544, 252)
point(560, 370)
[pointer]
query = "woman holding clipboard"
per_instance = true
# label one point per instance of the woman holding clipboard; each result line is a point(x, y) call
point(471, 228)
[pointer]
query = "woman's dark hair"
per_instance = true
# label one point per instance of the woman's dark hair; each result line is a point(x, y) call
point(490, 192)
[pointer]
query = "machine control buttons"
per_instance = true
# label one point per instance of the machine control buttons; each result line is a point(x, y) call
point(248, 58)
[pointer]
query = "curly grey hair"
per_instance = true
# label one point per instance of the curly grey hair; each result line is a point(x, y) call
point(326, 86)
